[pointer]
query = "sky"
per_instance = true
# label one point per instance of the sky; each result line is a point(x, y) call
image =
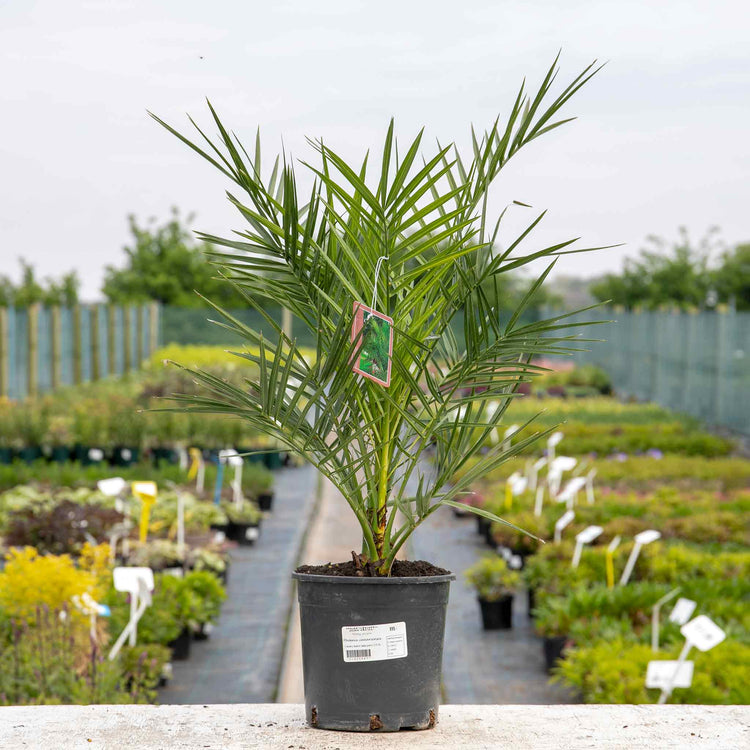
point(660, 140)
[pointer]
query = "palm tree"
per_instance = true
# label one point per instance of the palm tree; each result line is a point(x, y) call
point(425, 219)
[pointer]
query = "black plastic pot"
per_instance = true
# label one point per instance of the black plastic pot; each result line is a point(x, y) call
point(274, 460)
point(245, 534)
point(554, 649)
point(125, 456)
point(87, 455)
point(30, 453)
point(181, 645)
point(498, 614)
point(167, 455)
point(59, 454)
point(6, 456)
point(483, 525)
point(265, 500)
point(348, 685)
point(531, 594)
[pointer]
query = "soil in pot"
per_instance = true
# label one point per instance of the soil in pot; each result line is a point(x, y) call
point(554, 649)
point(181, 645)
point(497, 614)
point(372, 646)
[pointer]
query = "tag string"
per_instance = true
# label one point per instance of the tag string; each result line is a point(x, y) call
point(375, 284)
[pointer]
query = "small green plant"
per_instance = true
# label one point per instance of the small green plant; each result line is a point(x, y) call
point(247, 513)
point(492, 578)
point(209, 594)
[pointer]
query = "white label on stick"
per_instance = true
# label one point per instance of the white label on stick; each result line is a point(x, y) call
point(374, 642)
point(252, 533)
point(682, 611)
point(703, 633)
point(660, 674)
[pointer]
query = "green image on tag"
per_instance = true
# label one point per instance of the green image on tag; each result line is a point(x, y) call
point(376, 345)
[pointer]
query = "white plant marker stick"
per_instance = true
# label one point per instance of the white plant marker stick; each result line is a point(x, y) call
point(237, 485)
point(590, 486)
point(645, 537)
point(180, 521)
point(552, 441)
point(667, 691)
point(562, 522)
point(535, 469)
point(183, 456)
point(131, 629)
point(683, 611)
point(113, 537)
point(655, 617)
point(508, 435)
point(201, 478)
point(584, 537)
point(539, 500)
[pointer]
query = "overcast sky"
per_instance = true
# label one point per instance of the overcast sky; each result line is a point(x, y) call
point(661, 138)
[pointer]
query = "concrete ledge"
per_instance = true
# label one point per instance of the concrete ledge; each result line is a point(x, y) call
point(282, 726)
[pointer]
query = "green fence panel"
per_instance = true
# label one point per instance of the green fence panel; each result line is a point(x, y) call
point(697, 363)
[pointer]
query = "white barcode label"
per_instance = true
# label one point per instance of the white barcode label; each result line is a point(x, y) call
point(374, 642)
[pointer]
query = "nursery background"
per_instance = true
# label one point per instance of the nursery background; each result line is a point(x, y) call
point(642, 491)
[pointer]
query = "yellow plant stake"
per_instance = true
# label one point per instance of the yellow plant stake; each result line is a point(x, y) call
point(197, 468)
point(610, 563)
point(508, 496)
point(146, 493)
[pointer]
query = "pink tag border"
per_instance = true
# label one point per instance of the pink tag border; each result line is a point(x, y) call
point(359, 310)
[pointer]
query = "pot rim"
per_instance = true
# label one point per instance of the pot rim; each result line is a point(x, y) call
point(375, 580)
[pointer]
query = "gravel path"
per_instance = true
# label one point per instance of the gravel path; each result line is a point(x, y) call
point(241, 661)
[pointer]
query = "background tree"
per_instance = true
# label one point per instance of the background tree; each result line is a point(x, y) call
point(50, 291)
point(165, 264)
point(732, 278)
point(677, 275)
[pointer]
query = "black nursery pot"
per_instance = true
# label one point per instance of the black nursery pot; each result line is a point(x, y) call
point(531, 594)
point(59, 454)
point(498, 614)
point(6, 456)
point(125, 456)
point(372, 650)
point(245, 534)
point(554, 649)
point(181, 645)
point(265, 500)
point(483, 525)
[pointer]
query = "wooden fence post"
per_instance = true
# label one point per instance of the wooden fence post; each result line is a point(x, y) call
point(153, 327)
point(127, 330)
point(4, 353)
point(139, 335)
point(111, 350)
point(55, 335)
point(33, 354)
point(77, 345)
point(96, 369)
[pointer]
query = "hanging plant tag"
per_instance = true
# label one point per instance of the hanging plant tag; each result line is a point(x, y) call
point(375, 351)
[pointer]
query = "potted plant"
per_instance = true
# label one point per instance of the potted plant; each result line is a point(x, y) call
point(209, 595)
point(257, 481)
point(244, 522)
point(496, 584)
point(378, 265)
point(553, 621)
